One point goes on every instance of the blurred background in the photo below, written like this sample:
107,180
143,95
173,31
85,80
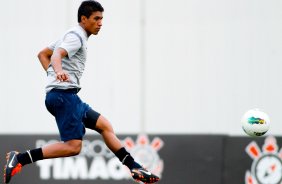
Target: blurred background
157,67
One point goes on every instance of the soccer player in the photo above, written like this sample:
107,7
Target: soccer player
64,61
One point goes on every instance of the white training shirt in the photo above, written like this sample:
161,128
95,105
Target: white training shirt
74,41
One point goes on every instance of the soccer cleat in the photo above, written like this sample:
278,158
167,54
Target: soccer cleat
12,167
141,174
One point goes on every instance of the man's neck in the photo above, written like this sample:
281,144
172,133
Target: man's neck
82,26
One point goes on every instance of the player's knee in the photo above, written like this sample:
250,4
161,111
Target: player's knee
74,147
103,125
76,150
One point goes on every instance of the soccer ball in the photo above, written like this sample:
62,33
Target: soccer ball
255,122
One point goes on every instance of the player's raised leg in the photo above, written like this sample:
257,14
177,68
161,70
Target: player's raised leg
16,160
12,167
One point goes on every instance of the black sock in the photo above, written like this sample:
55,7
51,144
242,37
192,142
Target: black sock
30,156
127,159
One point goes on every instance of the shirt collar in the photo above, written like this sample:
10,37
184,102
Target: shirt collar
84,32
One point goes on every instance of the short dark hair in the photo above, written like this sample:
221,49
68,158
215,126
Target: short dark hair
87,8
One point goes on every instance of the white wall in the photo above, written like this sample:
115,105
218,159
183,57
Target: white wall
204,64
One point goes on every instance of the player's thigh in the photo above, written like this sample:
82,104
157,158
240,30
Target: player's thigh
90,119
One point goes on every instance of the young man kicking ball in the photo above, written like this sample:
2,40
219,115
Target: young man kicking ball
64,61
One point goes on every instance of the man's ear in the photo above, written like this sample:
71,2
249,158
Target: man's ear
83,18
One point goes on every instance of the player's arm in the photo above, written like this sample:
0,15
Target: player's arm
56,62
44,57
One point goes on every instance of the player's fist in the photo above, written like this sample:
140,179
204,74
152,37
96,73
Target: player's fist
62,76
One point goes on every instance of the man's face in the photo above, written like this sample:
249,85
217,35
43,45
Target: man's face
93,24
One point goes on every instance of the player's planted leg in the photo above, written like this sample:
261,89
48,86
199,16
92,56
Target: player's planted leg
138,173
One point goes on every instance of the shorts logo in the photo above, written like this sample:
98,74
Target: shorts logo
146,152
267,164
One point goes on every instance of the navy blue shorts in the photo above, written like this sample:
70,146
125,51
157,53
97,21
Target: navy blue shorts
70,113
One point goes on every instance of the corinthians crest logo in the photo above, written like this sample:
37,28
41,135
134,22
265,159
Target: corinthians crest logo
267,165
146,152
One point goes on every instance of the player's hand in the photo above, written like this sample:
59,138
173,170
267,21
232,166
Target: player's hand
62,76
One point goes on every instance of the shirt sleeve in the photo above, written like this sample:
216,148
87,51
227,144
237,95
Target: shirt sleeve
71,43
52,46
